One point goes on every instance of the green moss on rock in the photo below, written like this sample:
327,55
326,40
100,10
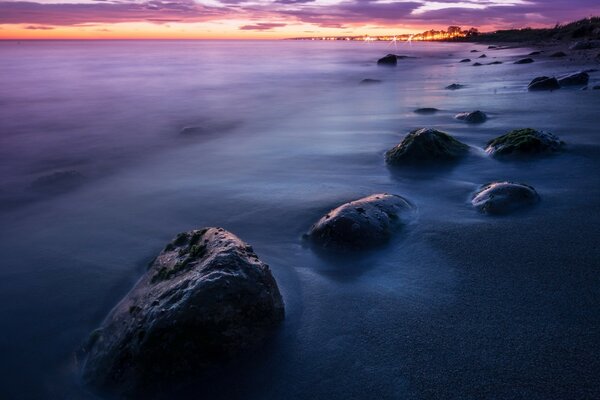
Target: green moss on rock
524,141
426,145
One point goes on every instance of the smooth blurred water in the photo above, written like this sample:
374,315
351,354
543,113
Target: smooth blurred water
459,305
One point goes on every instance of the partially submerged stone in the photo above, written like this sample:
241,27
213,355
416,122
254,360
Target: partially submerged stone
525,61
477,64
455,86
426,110
465,60
475,117
524,142
368,81
390,59
535,53
543,83
504,197
576,79
426,146
558,54
482,56
205,299
495,63
361,224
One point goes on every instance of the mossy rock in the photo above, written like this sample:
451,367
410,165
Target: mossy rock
475,117
525,141
504,197
426,146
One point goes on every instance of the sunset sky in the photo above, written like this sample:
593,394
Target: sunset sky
252,19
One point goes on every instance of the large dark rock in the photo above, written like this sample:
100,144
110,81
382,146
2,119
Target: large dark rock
576,79
58,182
475,117
390,59
362,223
524,142
543,83
426,146
504,197
524,61
205,299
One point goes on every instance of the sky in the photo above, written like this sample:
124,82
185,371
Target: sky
272,19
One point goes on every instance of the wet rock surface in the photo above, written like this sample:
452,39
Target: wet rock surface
362,223
455,86
576,79
543,83
426,146
465,60
522,142
504,197
205,299
474,117
558,54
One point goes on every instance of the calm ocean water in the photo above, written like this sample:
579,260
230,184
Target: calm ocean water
458,306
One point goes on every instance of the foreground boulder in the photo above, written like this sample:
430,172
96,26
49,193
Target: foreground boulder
426,146
576,79
524,61
360,224
524,142
543,83
390,59
504,197
475,117
204,299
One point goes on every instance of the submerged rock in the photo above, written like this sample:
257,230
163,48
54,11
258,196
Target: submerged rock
578,78
525,61
58,182
465,60
492,47
205,298
426,146
504,197
390,59
360,224
477,64
475,117
558,54
494,63
426,110
455,86
369,81
535,53
523,142
597,87
543,83
482,56
474,51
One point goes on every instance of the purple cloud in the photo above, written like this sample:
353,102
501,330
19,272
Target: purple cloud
39,27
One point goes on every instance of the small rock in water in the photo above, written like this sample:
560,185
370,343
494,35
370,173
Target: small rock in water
455,86
360,224
482,56
465,60
477,64
525,61
390,59
205,299
494,63
579,78
524,142
492,47
58,182
597,87
535,53
426,146
474,51
558,54
544,83
426,110
369,81
504,197
475,117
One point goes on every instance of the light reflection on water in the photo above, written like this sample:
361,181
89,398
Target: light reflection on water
287,133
